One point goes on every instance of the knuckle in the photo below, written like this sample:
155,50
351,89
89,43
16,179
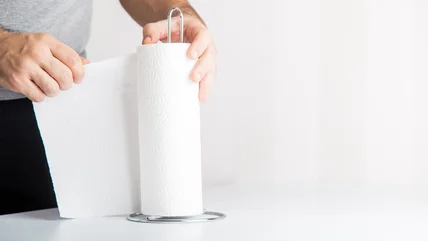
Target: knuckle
78,75
150,27
65,86
37,53
43,37
66,80
38,45
36,97
73,60
15,78
16,82
52,90
76,67
25,63
77,72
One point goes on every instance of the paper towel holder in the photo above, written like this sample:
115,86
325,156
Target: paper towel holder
206,215
171,11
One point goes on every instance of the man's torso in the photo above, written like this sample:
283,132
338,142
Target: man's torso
67,20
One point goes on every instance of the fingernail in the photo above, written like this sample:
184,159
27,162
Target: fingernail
147,40
194,55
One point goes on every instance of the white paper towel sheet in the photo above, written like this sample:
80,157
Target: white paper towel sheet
93,134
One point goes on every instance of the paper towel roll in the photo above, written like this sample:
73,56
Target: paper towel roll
169,131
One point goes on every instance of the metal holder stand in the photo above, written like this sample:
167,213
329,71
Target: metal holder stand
207,215
181,24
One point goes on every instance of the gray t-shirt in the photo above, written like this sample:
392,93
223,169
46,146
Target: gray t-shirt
67,20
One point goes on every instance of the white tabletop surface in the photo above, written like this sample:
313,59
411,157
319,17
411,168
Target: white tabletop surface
255,212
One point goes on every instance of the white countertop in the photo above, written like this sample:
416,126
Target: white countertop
255,212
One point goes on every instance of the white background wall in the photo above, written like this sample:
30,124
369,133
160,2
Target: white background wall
309,91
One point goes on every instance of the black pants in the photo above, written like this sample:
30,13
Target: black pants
25,182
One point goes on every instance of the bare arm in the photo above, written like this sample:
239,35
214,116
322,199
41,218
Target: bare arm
148,11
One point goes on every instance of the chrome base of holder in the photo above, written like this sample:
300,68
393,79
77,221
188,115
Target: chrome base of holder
205,217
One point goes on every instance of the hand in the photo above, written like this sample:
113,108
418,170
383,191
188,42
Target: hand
202,47
37,65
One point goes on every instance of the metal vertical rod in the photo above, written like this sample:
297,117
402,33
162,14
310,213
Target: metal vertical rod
181,24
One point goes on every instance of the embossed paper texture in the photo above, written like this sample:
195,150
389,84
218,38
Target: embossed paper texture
127,139
168,109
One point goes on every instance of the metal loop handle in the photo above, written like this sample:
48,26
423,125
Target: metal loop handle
181,24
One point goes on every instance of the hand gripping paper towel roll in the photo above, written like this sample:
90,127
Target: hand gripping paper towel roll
169,132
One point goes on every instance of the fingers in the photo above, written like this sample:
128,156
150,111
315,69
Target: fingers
175,38
70,58
205,87
48,80
200,43
204,73
153,32
60,72
45,82
205,64
32,91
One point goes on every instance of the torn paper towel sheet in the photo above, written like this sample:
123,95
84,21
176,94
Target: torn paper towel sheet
94,132
90,134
